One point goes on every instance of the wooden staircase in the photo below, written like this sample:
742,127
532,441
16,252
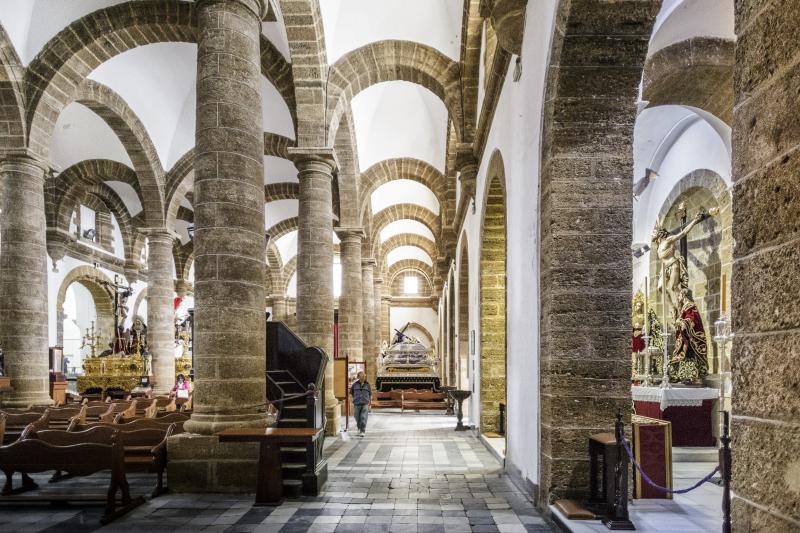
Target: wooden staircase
295,385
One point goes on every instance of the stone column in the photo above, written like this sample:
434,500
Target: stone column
350,311
378,292
23,281
229,242
160,313
105,230
278,308
368,310
766,267
315,261
386,303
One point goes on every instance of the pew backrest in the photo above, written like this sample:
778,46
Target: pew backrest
165,404
173,417
18,423
141,423
34,455
95,435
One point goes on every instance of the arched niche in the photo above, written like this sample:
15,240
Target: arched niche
493,298
709,247
463,316
72,323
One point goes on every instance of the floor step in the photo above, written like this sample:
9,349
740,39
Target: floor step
292,488
685,454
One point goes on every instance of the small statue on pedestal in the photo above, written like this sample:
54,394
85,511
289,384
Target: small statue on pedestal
689,363
137,338
638,324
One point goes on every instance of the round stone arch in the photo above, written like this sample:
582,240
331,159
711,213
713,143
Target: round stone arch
710,245
92,279
450,374
407,168
392,60
141,297
416,327
493,296
462,334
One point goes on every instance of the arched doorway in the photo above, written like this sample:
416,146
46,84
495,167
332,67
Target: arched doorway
493,302
83,300
463,316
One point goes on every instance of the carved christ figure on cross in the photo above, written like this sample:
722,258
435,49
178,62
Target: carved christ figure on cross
675,276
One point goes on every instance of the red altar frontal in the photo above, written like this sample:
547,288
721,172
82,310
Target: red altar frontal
689,409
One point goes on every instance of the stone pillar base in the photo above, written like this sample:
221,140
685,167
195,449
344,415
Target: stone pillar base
199,463
334,423
23,400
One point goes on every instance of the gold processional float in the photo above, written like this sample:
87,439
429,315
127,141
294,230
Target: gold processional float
127,362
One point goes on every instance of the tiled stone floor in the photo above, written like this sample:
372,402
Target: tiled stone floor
699,511
411,473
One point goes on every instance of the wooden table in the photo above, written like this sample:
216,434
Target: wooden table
269,488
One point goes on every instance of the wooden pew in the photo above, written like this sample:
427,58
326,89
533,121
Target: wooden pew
143,407
34,455
100,413
145,449
165,404
393,398
61,417
424,400
17,422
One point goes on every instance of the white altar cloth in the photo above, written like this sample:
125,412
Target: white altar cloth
674,397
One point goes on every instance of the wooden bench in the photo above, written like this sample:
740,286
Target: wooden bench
393,398
100,413
424,400
165,404
17,422
145,448
30,456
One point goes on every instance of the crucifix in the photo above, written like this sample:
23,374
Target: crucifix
121,293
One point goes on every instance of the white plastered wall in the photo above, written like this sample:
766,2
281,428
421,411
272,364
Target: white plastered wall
516,133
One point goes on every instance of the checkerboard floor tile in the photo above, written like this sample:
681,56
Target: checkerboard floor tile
410,473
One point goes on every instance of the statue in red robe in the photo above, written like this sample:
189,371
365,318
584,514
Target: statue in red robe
689,363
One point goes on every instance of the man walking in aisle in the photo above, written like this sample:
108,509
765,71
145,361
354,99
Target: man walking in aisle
361,393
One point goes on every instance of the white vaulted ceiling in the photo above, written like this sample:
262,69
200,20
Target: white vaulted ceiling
80,134
31,23
350,24
403,191
400,119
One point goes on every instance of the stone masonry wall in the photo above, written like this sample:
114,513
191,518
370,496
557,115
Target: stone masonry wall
766,268
597,55
493,308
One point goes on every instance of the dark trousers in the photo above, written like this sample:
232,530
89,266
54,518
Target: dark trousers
362,411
